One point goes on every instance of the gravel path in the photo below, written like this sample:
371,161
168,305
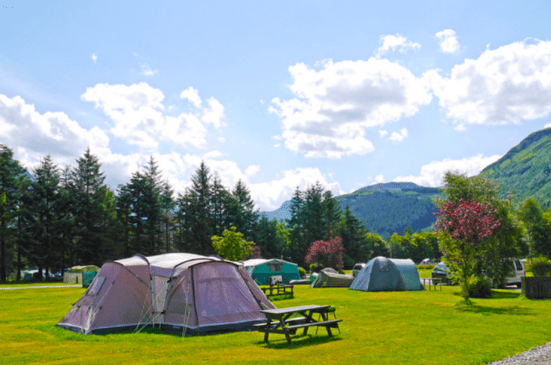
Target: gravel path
43,287
537,355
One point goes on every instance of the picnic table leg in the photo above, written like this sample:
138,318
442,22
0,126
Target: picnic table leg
268,326
288,338
324,316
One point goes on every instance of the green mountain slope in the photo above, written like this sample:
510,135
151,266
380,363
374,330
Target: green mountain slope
526,169
391,207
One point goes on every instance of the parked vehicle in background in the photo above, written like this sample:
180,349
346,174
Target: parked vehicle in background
516,274
357,268
514,278
441,271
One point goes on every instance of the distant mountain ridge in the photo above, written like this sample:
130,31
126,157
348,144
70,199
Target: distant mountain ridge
384,208
526,169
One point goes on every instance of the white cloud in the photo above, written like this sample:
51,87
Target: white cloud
94,57
137,113
270,195
506,85
379,178
192,95
395,42
252,170
383,133
432,173
335,105
36,135
448,41
399,137
147,71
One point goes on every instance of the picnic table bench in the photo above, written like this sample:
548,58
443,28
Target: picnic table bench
274,290
280,321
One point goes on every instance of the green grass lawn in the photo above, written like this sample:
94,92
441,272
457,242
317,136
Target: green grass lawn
379,328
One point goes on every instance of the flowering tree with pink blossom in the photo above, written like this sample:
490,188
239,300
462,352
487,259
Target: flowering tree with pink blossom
463,226
326,253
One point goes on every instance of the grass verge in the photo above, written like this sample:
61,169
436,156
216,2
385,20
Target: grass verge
426,327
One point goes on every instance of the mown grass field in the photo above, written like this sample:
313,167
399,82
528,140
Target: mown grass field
378,328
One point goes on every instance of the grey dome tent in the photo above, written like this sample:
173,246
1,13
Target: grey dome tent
179,293
384,274
262,270
329,278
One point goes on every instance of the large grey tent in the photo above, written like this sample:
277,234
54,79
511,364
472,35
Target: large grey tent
329,278
179,293
384,274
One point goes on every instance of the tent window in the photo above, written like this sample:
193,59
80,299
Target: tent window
96,285
274,267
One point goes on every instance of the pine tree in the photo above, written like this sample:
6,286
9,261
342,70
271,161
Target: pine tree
45,230
10,183
353,235
167,207
244,216
195,214
90,217
153,205
296,226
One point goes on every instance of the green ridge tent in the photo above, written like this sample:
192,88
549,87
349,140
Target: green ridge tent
384,274
262,270
329,278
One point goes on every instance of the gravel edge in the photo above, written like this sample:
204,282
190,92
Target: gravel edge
536,355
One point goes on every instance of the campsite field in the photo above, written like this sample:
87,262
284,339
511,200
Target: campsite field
378,328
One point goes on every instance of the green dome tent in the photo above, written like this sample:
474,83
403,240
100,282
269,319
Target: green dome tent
384,274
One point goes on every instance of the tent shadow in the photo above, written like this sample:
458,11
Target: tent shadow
298,342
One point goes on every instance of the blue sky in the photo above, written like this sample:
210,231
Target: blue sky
278,94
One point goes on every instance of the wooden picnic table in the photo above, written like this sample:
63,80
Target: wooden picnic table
280,321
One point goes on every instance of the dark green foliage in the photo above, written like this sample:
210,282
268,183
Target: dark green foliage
538,226
541,266
44,230
167,205
265,236
91,218
386,209
241,209
354,238
349,262
480,287
11,176
525,170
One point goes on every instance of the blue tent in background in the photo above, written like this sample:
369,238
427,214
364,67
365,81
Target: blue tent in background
384,274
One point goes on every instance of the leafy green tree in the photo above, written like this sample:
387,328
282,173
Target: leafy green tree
463,228
10,183
539,229
375,245
493,258
232,246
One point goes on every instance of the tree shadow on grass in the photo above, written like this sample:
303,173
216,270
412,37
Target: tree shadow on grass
486,311
497,295
298,342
